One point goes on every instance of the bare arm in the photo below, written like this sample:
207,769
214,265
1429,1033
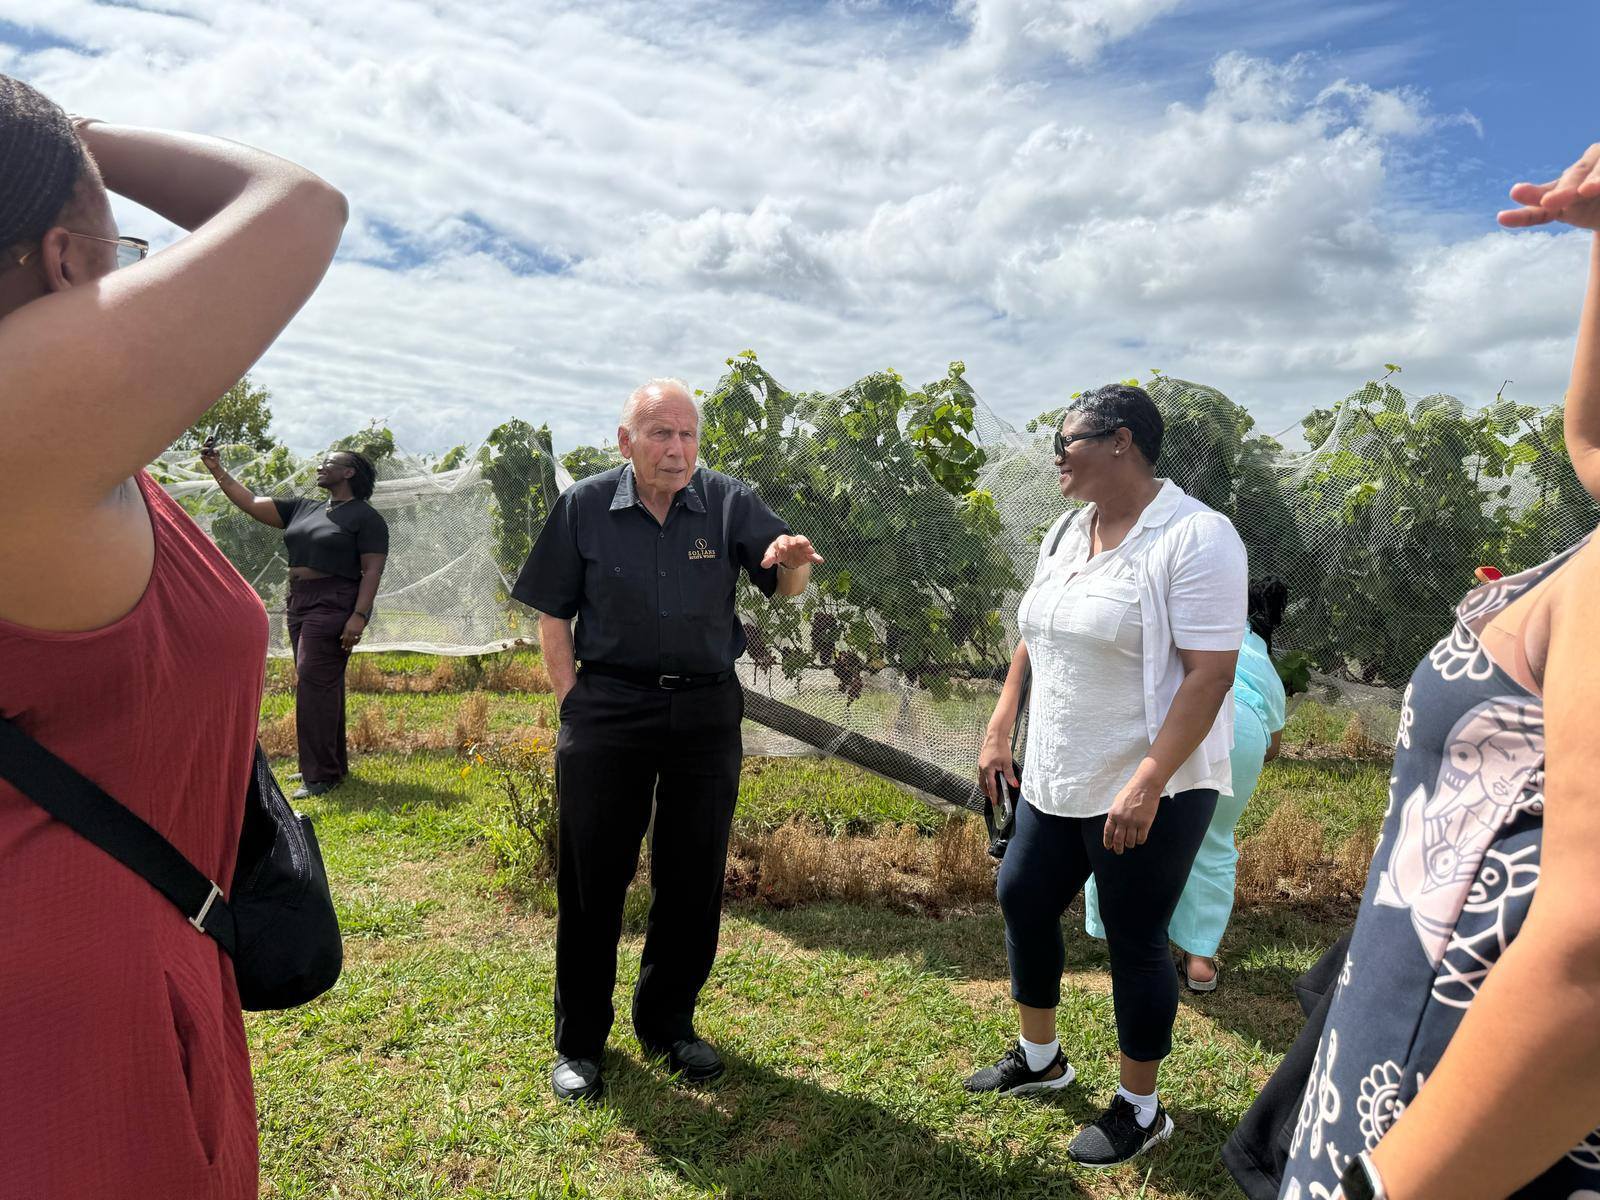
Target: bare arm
371,576
97,379
555,641
1519,1084
995,756
1208,675
260,507
1574,200
1275,746
1583,393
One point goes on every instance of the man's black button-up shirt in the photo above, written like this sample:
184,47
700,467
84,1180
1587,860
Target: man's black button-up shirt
656,598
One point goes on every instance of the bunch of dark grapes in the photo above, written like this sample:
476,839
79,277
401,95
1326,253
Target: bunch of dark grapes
847,666
756,646
824,635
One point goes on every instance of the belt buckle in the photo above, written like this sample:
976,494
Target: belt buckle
670,683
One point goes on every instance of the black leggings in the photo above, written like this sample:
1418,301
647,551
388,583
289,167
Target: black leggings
1047,863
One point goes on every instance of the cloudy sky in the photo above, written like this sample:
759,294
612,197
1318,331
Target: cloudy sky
553,201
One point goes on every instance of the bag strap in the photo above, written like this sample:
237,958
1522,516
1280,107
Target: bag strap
1061,532
989,817
84,807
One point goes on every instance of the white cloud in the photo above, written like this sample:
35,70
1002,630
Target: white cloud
1077,29
552,201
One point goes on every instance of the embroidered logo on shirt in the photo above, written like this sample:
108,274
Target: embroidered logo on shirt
701,551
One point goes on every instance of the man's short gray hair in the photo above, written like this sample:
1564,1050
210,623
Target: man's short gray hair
655,387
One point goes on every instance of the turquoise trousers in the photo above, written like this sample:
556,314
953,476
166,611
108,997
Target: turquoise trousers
1207,901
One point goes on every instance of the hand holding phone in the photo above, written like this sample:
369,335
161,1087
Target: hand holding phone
208,448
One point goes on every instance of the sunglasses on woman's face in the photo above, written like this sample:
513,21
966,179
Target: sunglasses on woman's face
1060,444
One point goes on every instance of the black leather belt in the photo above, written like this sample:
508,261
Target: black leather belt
666,683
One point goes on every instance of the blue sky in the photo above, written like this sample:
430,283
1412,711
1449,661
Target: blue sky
553,201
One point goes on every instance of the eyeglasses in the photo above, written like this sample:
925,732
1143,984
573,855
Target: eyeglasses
1060,444
129,249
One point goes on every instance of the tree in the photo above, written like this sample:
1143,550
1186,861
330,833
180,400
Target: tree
240,417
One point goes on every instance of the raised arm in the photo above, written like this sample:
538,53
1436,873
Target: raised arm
1574,199
98,377
260,507
1583,394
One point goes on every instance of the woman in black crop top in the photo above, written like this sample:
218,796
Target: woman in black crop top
336,549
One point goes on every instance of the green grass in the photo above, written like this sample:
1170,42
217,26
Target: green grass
421,710
1342,795
425,1072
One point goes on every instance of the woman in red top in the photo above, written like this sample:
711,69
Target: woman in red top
128,645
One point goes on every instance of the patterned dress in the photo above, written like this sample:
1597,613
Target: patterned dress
1450,886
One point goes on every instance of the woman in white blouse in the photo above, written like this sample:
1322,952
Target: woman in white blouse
1131,629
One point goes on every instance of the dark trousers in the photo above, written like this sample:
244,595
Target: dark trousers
1047,863
318,610
621,747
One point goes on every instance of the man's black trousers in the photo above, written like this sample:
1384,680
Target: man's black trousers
622,748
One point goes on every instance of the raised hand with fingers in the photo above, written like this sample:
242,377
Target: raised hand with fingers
790,550
1573,199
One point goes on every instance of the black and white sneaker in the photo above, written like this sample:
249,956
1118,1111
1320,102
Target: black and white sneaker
1011,1076
1117,1136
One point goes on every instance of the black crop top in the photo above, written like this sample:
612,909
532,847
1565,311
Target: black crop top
332,540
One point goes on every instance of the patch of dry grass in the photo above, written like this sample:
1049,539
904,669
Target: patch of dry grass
800,863
278,736
1287,858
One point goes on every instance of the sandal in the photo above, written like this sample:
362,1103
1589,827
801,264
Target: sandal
1201,985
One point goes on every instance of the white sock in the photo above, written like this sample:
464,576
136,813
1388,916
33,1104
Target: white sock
1145,1104
1040,1054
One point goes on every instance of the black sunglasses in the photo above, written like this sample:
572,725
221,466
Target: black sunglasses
1060,444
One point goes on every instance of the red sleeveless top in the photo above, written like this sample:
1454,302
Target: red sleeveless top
124,1070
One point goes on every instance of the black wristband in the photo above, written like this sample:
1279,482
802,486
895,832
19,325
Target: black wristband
365,616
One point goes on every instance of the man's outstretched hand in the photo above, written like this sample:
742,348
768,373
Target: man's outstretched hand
790,550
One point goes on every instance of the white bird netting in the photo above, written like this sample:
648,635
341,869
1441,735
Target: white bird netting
929,510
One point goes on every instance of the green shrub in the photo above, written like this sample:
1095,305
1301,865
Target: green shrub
520,829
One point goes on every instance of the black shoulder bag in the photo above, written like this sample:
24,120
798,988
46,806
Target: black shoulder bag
279,926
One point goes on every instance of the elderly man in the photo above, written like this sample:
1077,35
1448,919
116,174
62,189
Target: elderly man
646,556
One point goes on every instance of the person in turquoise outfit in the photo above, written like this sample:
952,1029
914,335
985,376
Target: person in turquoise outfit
1259,705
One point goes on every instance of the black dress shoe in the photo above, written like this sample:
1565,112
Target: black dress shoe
694,1059
577,1079
308,790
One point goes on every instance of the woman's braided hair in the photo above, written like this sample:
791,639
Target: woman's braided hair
41,161
366,476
